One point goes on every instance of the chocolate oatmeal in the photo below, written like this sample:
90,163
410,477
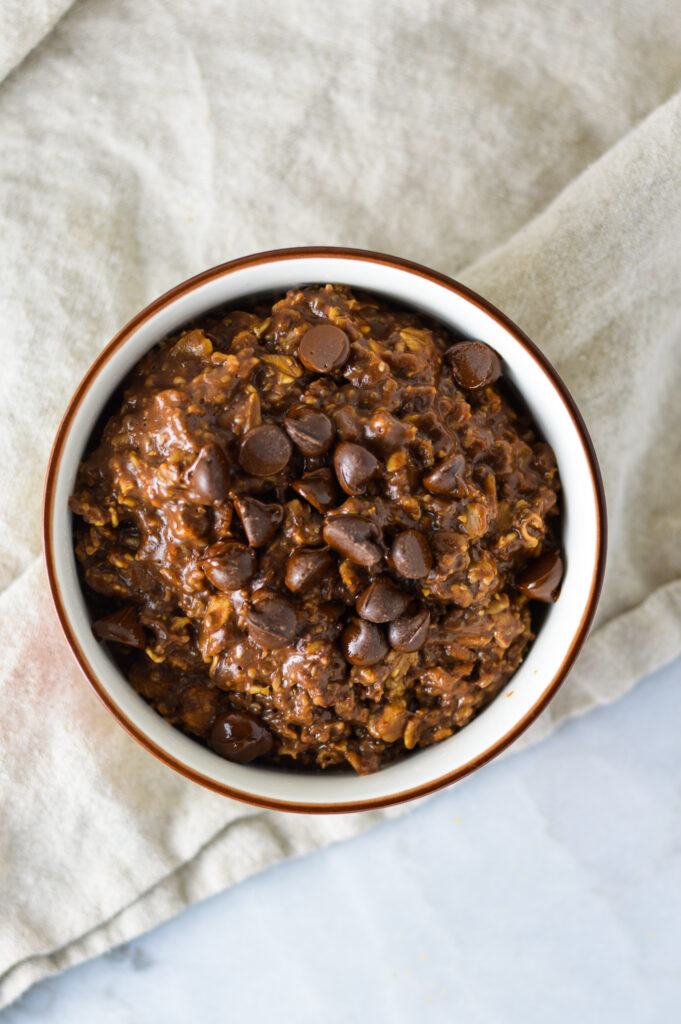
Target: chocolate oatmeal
313,532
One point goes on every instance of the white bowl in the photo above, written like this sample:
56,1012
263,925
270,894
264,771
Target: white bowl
584,529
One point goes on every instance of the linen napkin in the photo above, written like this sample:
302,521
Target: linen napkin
531,150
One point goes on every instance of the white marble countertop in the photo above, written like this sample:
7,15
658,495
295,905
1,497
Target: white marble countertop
545,888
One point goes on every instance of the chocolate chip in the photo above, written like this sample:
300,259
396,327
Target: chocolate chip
382,601
474,364
363,643
264,450
447,477
541,579
355,466
324,348
208,476
409,632
306,567
271,622
123,627
260,521
228,565
319,488
411,555
240,737
309,429
353,537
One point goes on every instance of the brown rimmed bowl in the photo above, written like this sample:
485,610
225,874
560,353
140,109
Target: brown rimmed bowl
562,631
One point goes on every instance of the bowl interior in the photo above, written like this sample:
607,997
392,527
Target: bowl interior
581,537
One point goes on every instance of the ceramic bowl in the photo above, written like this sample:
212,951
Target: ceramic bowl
559,638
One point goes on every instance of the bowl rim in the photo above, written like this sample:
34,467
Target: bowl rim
361,255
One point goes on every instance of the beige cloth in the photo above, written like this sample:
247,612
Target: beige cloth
532,150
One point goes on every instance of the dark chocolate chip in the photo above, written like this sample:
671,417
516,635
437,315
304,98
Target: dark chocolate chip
228,565
474,364
411,555
324,348
319,488
354,537
363,643
264,450
355,466
541,579
447,477
260,521
208,476
311,430
240,737
382,601
123,627
409,632
306,567
271,622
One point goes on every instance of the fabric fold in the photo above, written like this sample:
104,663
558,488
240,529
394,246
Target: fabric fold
23,25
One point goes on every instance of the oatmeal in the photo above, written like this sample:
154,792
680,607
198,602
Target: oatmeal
313,532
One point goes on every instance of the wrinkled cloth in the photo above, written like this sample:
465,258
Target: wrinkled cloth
530,150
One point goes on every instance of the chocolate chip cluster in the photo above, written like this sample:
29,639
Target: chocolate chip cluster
313,530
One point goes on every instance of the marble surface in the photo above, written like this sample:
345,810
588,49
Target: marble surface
546,888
